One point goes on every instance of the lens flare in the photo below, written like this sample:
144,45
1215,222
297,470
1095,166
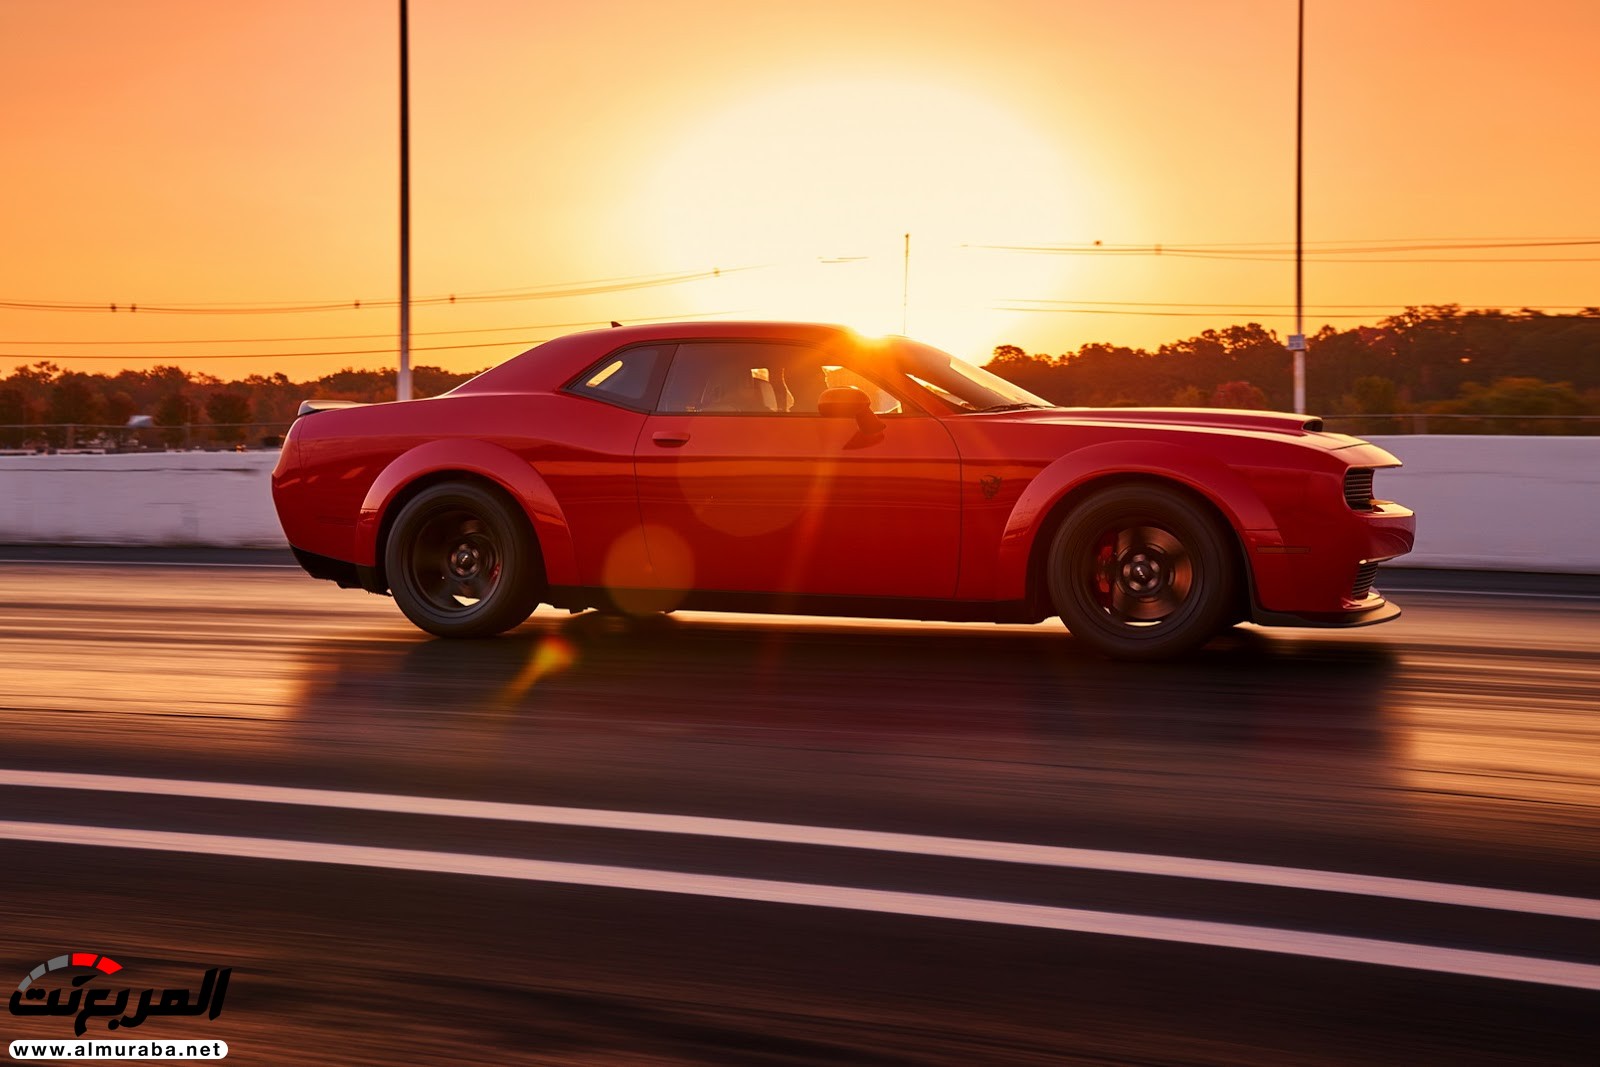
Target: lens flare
549,655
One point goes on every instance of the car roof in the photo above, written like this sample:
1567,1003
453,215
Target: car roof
552,364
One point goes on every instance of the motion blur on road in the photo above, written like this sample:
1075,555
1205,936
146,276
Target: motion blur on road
1456,747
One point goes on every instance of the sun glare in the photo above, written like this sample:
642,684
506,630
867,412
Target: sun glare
818,183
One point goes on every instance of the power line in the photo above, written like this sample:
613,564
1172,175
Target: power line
1264,251
328,337
1035,306
1385,241
368,336
1266,248
536,293
521,342
1225,306
1270,258
1171,314
524,343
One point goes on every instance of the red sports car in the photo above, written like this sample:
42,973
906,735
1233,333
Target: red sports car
795,468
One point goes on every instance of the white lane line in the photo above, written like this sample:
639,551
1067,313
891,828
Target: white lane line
833,837
922,905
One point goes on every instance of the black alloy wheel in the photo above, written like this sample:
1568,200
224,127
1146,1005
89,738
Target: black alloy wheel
462,563
1142,572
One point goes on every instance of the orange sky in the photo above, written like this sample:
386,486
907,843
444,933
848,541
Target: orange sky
164,152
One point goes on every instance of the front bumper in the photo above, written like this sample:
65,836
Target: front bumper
1371,612
1322,573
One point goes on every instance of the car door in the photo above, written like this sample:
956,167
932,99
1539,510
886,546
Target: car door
585,454
744,487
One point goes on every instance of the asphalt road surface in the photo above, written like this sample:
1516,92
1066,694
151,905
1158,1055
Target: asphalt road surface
746,840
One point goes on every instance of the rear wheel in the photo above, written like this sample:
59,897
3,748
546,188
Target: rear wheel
1142,572
462,563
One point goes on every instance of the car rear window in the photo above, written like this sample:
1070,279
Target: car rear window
629,378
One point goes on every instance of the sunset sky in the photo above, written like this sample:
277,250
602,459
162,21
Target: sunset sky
226,157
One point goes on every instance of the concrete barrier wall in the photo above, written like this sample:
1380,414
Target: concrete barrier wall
1499,503
158,498
1495,503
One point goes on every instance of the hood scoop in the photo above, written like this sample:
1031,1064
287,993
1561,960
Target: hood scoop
1222,418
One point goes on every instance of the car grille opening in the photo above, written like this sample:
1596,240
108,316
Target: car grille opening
1364,579
1358,488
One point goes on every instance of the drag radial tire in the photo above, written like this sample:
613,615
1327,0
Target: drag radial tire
1142,572
462,561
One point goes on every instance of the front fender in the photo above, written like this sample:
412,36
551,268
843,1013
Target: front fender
486,460
1205,475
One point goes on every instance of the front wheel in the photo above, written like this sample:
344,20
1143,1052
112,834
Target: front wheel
1142,572
462,563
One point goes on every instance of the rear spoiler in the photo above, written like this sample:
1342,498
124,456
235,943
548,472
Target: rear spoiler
311,407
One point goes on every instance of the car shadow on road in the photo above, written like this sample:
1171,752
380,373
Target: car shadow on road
729,672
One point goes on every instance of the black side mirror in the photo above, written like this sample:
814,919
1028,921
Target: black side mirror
852,403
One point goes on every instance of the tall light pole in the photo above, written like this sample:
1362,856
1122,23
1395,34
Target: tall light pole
1297,340
905,287
402,385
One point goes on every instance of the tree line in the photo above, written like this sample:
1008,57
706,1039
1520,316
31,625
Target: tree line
1481,371
186,408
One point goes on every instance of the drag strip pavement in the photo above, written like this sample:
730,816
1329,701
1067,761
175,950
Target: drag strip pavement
721,839
1419,956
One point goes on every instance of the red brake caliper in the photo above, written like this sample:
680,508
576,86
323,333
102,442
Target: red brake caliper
1104,564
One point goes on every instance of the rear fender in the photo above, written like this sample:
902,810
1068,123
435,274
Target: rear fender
1202,474
493,462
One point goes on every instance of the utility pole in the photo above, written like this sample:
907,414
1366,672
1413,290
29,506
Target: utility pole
1297,340
905,287
402,387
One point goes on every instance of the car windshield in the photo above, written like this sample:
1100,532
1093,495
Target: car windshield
957,382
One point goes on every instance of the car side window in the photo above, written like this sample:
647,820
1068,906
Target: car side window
728,377
629,378
746,377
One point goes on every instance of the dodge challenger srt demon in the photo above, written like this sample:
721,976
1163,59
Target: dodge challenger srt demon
798,468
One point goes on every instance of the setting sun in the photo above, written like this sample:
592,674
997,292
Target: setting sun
818,183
